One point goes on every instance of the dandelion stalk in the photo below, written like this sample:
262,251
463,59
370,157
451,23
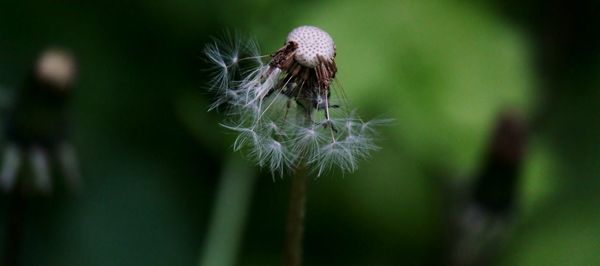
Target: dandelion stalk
295,218
297,209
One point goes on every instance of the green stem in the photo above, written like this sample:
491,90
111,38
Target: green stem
229,213
295,218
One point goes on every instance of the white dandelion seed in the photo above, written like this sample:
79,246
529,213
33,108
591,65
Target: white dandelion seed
334,154
247,137
305,142
225,58
272,154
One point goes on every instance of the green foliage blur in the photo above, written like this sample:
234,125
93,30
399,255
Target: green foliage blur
151,155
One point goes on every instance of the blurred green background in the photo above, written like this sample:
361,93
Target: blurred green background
152,157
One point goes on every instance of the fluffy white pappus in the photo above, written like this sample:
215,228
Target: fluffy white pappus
305,142
333,154
350,140
369,127
247,136
230,59
225,96
360,146
278,142
258,86
273,154
271,128
221,71
262,140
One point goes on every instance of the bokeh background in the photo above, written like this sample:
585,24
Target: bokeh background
152,157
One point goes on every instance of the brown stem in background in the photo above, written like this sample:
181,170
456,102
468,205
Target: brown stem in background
14,228
295,218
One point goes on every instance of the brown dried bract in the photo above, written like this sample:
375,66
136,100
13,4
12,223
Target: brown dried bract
305,84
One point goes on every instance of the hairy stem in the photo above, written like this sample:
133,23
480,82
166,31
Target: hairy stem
295,218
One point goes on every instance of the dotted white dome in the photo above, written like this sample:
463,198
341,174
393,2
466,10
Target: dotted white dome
311,41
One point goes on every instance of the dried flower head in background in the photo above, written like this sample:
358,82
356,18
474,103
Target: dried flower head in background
37,125
289,111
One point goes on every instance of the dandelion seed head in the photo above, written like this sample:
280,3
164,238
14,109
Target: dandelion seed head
312,44
281,109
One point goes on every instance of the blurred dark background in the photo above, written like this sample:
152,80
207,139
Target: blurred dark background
151,157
